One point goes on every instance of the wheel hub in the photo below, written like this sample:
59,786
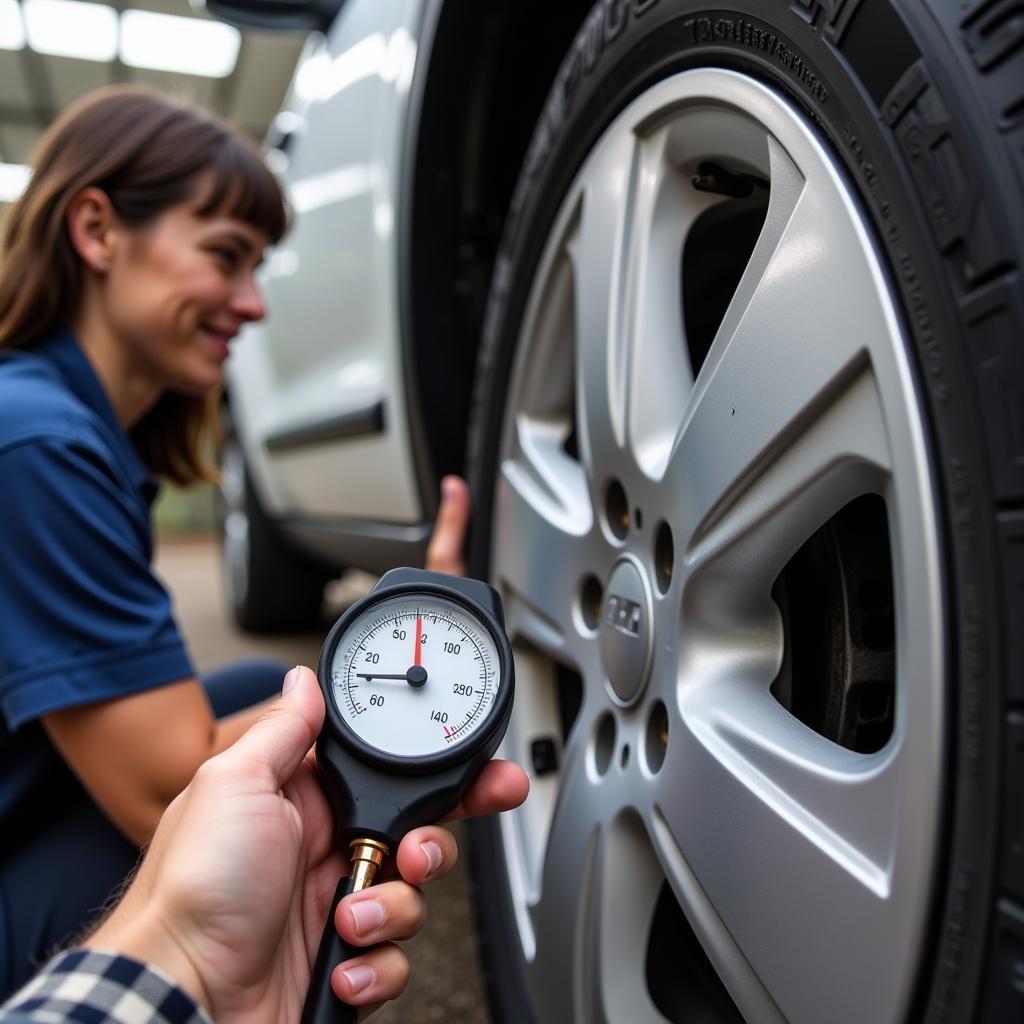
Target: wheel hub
626,630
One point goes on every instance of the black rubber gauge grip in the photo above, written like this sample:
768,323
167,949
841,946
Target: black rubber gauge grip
322,1005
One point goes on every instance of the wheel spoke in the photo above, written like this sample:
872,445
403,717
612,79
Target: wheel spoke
542,522
599,248
754,531
794,342
595,904
631,882
659,375
752,999
634,371
824,822
568,898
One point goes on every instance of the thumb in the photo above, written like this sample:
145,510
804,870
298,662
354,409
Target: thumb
445,551
282,736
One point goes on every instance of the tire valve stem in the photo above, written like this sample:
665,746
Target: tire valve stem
711,177
367,856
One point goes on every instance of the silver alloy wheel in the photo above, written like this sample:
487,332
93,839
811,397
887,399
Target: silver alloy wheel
803,868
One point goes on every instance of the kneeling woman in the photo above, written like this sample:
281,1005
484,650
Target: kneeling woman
128,267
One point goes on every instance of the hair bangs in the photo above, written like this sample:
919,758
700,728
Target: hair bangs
243,187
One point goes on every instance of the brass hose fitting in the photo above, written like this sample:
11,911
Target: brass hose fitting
367,856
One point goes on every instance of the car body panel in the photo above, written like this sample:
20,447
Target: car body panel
338,400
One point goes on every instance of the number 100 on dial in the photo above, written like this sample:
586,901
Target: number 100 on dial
415,675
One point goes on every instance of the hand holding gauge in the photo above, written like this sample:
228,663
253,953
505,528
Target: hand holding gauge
399,749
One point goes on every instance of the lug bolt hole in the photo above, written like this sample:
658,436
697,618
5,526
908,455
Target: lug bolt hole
638,519
624,758
656,737
664,557
604,744
591,599
617,510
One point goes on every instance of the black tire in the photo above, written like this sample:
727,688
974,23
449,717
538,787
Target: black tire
922,103
269,587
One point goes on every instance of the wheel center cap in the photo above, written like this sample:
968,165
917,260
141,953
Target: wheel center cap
626,630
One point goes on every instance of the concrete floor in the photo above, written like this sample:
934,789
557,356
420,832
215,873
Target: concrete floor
445,983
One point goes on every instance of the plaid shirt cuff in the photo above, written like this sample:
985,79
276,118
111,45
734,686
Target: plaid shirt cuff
88,986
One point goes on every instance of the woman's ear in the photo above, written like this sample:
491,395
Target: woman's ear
91,222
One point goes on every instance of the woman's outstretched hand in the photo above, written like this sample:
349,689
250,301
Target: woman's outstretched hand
231,896
445,552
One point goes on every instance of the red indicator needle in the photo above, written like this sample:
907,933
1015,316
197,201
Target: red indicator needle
419,640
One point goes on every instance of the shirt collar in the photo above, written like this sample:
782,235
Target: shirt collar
62,350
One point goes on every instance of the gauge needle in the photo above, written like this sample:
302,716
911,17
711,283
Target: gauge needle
414,676
419,641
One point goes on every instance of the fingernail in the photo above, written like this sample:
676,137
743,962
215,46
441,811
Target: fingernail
368,915
290,679
434,857
447,489
358,977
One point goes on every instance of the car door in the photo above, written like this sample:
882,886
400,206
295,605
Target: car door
317,390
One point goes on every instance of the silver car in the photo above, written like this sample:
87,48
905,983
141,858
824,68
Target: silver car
719,308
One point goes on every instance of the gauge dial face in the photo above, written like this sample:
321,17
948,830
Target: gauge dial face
415,675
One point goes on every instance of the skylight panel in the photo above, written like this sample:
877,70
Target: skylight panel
168,42
13,179
12,28
69,28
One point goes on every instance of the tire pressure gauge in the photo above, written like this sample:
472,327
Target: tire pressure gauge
418,681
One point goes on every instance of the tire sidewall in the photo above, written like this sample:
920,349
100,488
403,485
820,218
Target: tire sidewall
875,117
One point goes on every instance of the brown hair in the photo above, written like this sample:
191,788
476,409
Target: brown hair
147,153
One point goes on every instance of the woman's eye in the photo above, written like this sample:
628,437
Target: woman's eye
228,258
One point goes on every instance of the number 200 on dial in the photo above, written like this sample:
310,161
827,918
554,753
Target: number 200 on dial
415,675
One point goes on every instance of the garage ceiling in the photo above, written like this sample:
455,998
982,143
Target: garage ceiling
35,86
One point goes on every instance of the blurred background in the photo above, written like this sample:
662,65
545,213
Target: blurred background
51,52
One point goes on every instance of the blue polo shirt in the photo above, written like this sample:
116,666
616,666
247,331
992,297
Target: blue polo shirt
83,618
